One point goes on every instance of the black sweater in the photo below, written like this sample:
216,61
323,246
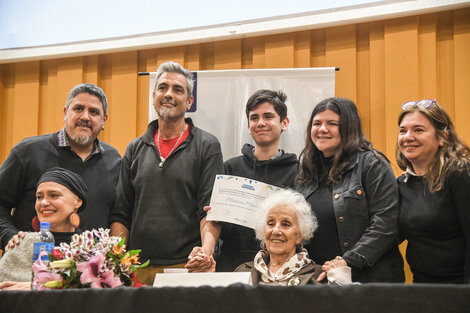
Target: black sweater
64,237
239,243
162,206
280,171
437,227
30,158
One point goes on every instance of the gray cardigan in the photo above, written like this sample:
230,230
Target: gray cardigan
16,264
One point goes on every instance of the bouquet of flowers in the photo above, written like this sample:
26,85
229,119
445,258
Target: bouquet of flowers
93,259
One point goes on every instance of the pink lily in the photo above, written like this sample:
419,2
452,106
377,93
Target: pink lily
92,273
42,275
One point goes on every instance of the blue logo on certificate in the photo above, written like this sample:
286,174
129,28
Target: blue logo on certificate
248,187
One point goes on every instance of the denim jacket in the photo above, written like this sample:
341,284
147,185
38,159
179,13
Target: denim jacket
365,202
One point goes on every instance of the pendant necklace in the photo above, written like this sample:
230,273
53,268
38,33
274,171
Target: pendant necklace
162,159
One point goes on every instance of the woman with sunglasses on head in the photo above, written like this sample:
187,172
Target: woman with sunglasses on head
353,193
434,194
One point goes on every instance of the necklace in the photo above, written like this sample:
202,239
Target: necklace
162,159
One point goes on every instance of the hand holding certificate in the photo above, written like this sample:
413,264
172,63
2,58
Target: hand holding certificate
235,199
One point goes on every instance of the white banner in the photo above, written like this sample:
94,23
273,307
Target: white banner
221,96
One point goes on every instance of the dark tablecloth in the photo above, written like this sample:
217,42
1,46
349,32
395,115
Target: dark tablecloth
241,298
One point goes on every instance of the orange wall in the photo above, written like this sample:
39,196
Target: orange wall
383,64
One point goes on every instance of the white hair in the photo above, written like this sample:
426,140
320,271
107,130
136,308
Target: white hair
294,200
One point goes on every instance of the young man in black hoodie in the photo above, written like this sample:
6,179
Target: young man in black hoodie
267,119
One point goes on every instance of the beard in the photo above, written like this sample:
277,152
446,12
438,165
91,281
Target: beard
169,113
82,140
168,108
164,113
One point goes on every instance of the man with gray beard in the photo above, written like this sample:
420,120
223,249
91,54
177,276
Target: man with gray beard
76,148
166,179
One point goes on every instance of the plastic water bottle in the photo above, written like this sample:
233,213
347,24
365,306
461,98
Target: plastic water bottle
46,242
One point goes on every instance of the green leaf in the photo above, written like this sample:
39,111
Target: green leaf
143,265
122,242
134,252
113,257
72,275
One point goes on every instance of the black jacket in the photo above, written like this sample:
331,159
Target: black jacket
365,203
162,206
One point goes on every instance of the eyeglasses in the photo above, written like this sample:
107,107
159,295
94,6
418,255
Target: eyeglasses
424,104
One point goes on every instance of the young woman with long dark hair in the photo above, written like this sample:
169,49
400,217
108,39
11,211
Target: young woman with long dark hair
353,192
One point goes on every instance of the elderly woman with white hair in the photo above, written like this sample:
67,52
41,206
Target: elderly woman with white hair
284,222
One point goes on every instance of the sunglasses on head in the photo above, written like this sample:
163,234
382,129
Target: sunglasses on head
424,104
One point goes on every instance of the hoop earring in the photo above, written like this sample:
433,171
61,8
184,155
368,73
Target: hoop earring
35,223
74,220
